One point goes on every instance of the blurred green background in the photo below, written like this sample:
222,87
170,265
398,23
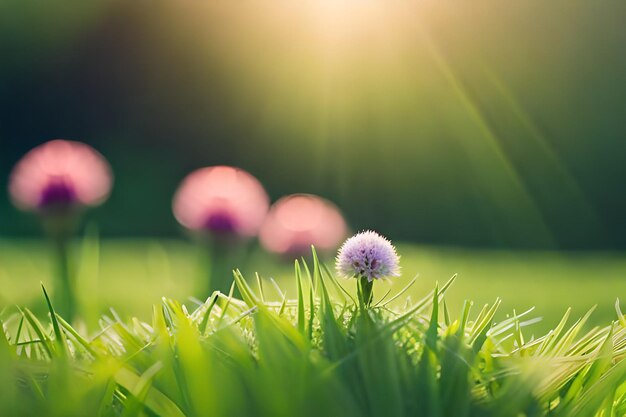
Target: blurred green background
131,275
496,128
483,123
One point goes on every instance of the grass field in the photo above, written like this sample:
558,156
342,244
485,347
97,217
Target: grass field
132,275
240,356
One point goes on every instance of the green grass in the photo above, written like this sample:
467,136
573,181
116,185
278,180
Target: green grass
132,275
317,354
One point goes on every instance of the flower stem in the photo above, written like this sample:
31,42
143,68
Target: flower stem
219,275
219,260
64,281
366,292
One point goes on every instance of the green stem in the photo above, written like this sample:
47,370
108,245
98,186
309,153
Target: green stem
366,292
64,281
219,278
222,258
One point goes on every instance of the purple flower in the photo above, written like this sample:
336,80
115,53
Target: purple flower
221,200
368,254
296,222
57,192
60,174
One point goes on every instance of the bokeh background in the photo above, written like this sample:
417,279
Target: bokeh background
475,124
482,125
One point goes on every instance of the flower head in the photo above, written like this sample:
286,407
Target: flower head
60,174
221,200
298,221
368,254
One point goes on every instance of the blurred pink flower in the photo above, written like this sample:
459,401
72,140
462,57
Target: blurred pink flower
61,174
296,222
222,200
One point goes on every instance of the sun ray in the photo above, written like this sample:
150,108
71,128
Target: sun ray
540,227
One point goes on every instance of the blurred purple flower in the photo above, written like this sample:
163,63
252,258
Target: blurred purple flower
367,254
298,221
221,200
60,174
